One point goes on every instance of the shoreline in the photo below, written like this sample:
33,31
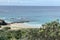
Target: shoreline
16,26
35,25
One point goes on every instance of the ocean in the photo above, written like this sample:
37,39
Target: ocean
35,14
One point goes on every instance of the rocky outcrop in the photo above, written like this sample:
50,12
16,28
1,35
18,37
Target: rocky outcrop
2,22
20,21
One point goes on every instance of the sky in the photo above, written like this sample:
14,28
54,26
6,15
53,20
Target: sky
31,2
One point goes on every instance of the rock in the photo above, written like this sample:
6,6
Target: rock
20,21
2,22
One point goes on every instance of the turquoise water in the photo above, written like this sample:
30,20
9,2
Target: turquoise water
36,14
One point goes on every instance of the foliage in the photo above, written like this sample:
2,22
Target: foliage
49,31
6,28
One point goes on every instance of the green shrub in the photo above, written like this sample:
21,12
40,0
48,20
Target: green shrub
0,26
49,31
6,28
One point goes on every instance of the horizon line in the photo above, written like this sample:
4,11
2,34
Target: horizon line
18,5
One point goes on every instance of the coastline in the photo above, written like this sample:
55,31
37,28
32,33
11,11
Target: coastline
16,26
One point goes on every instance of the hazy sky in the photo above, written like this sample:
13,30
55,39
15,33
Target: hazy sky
31,2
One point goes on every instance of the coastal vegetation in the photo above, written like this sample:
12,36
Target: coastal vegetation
48,31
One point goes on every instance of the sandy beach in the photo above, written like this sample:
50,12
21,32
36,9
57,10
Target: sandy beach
16,26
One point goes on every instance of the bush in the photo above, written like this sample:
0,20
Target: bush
49,31
6,28
0,26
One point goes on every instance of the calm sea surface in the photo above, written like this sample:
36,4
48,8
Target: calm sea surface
36,14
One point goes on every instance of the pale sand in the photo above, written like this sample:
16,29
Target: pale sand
15,26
